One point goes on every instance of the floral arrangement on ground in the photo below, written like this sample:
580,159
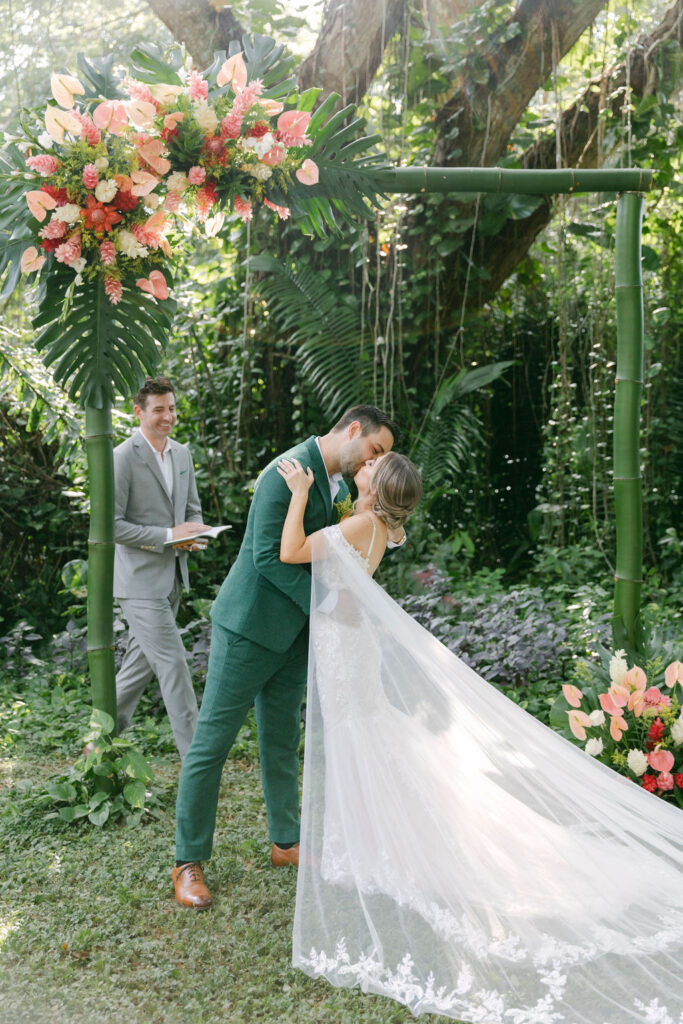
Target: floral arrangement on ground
635,728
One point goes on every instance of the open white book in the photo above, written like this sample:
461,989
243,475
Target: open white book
212,532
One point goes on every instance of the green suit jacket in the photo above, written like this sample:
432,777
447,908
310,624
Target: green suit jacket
262,598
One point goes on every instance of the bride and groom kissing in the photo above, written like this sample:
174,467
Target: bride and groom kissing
259,640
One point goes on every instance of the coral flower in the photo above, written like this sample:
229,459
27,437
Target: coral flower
31,260
99,217
617,727
572,694
233,72
578,722
39,202
674,673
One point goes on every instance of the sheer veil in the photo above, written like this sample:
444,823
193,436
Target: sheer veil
456,854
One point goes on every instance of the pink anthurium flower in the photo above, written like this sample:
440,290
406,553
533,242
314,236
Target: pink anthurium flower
141,113
31,260
233,72
293,123
674,673
155,284
617,727
39,203
151,153
572,695
174,119
635,679
308,173
578,723
661,760
110,116
608,705
64,88
143,183
271,107
59,121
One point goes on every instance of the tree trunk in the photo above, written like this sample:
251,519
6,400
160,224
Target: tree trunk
203,26
99,450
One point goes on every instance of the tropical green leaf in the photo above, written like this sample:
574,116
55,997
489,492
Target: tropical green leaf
134,764
101,720
99,78
97,348
134,793
148,63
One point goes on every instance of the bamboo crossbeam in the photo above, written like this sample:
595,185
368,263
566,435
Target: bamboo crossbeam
501,179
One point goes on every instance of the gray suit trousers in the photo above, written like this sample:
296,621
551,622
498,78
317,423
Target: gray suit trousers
155,648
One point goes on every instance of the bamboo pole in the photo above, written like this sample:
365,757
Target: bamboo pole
629,386
99,449
502,179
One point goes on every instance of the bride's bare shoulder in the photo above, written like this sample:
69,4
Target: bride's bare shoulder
358,530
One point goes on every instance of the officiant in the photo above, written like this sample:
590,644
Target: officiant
156,503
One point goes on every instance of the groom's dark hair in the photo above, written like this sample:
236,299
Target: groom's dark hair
370,418
153,386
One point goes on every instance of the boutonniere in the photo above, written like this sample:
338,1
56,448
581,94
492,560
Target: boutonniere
343,508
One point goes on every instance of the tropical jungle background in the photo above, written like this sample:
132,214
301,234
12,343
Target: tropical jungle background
484,325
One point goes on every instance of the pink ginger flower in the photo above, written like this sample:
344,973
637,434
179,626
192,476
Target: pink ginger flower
113,289
248,97
44,164
108,253
55,229
196,175
91,176
231,125
665,780
89,132
205,199
173,201
654,698
139,91
70,251
243,208
198,88
283,214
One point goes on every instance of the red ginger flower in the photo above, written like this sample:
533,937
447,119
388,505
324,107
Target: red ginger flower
205,198
258,130
57,193
49,244
649,782
678,779
125,201
655,733
98,217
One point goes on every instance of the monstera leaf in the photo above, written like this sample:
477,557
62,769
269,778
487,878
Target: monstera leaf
96,348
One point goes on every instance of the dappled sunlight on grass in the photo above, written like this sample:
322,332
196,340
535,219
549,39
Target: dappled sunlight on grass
9,922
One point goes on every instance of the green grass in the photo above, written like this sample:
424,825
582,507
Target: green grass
89,928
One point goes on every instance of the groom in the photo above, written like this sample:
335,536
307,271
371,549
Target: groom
259,651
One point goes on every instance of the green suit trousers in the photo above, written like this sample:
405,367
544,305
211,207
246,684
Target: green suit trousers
241,672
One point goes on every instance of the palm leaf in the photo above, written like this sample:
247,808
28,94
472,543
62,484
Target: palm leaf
148,63
94,347
325,331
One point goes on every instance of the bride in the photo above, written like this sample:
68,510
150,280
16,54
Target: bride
457,855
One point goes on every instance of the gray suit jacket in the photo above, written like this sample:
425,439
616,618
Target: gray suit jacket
143,567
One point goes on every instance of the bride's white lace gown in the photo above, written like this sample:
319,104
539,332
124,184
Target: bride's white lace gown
457,855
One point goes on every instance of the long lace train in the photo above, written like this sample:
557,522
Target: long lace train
457,855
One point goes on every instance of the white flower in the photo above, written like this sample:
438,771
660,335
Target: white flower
258,146
637,762
78,266
177,182
152,201
101,163
205,116
597,717
618,667
593,747
106,190
261,172
128,244
45,140
677,731
68,213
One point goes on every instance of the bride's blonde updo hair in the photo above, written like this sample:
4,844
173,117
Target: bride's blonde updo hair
398,488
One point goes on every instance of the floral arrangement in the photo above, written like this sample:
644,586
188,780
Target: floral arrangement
109,177
636,728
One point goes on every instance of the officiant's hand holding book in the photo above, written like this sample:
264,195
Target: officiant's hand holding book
195,539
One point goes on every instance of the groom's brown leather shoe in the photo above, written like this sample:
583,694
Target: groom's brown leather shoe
190,887
280,858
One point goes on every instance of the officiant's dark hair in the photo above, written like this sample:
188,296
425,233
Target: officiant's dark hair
153,386
370,418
